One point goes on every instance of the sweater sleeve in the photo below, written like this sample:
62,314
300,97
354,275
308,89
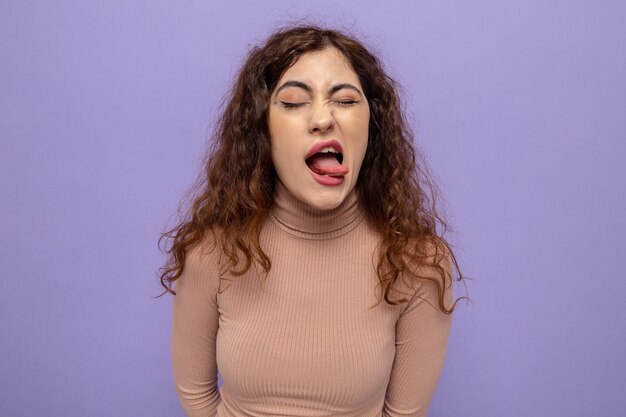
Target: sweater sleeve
421,340
195,321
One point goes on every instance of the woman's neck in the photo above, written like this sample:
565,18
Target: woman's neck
302,220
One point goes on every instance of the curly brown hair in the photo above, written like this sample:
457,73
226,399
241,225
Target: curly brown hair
235,198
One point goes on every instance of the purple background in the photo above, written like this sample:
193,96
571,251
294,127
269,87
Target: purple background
520,107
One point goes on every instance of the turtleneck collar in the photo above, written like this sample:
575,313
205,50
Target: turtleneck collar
301,220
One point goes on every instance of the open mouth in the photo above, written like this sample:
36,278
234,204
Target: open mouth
328,161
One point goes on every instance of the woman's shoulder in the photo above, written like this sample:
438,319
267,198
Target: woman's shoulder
428,270
201,262
204,252
428,253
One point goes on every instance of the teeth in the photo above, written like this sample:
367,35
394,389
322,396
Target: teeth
328,149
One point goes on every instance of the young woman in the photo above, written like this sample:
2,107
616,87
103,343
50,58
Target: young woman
311,210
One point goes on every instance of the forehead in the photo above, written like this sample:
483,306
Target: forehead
317,68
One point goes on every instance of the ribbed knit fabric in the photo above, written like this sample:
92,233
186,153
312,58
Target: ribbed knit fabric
306,340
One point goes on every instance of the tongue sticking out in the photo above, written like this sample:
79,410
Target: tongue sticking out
326,164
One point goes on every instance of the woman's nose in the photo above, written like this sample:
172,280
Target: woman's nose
321,118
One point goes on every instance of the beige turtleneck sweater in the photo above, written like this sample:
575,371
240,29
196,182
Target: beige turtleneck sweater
303,342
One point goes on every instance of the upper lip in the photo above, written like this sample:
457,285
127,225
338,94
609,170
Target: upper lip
321,145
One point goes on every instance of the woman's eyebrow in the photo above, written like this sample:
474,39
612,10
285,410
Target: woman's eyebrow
338,87
331,91
292,83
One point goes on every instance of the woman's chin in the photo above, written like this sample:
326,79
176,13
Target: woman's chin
325,199
319,196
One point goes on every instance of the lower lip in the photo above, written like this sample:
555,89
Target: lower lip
325,179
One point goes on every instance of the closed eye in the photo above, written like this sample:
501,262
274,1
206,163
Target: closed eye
347,102
289,105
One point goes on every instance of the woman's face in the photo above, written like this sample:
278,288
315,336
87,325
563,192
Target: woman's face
318,123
